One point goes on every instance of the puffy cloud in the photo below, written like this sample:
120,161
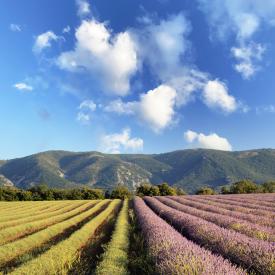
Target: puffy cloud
248,57
187,84
211,141
120,107
23,86
67,29
163,44
83,118
154,108
240,17
243,19
15,28
83,8
115,143
86,108
87,104
112,58
215,95
44,40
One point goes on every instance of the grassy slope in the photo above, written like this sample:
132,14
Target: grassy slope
189,169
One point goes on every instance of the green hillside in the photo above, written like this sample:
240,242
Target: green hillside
189,169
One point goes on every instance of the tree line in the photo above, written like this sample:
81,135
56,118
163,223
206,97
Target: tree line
43,192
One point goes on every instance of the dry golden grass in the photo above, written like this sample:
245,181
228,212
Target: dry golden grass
59,259
10,251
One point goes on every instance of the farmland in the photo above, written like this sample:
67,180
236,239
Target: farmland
192,234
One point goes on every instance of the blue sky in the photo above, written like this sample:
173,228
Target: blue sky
136,76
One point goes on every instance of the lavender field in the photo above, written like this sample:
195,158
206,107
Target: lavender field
182,235
221,234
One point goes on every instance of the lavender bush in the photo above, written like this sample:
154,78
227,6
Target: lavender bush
243,205
257,256
174,254
225,210
249,229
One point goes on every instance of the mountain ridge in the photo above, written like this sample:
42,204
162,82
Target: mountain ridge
189,169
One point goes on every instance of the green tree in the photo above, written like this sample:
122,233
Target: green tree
120,192
180,191
243,187
166,190
225,190
146,189
93,194
205,191
268,187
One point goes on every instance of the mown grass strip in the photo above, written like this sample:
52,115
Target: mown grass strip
42,215
59,259
9,252
115,258
16,232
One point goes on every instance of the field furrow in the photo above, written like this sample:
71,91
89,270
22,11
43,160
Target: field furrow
11,251
255,255
174,254
60,258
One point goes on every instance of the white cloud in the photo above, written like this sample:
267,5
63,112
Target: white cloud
190,136
265,109
67,29
112,58
86,108
83,8
118,142
120,107
215,95
163,45
187,84
248,57
44,40
15,28
155,108
241,17
23,86
211,141
83,118
87,104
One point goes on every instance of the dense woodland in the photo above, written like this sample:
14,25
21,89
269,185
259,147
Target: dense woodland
43,192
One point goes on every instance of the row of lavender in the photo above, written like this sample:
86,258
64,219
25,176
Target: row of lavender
174,254
252,254
267,199
242,226
255,207
228,210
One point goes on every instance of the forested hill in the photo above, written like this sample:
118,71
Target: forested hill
189,169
